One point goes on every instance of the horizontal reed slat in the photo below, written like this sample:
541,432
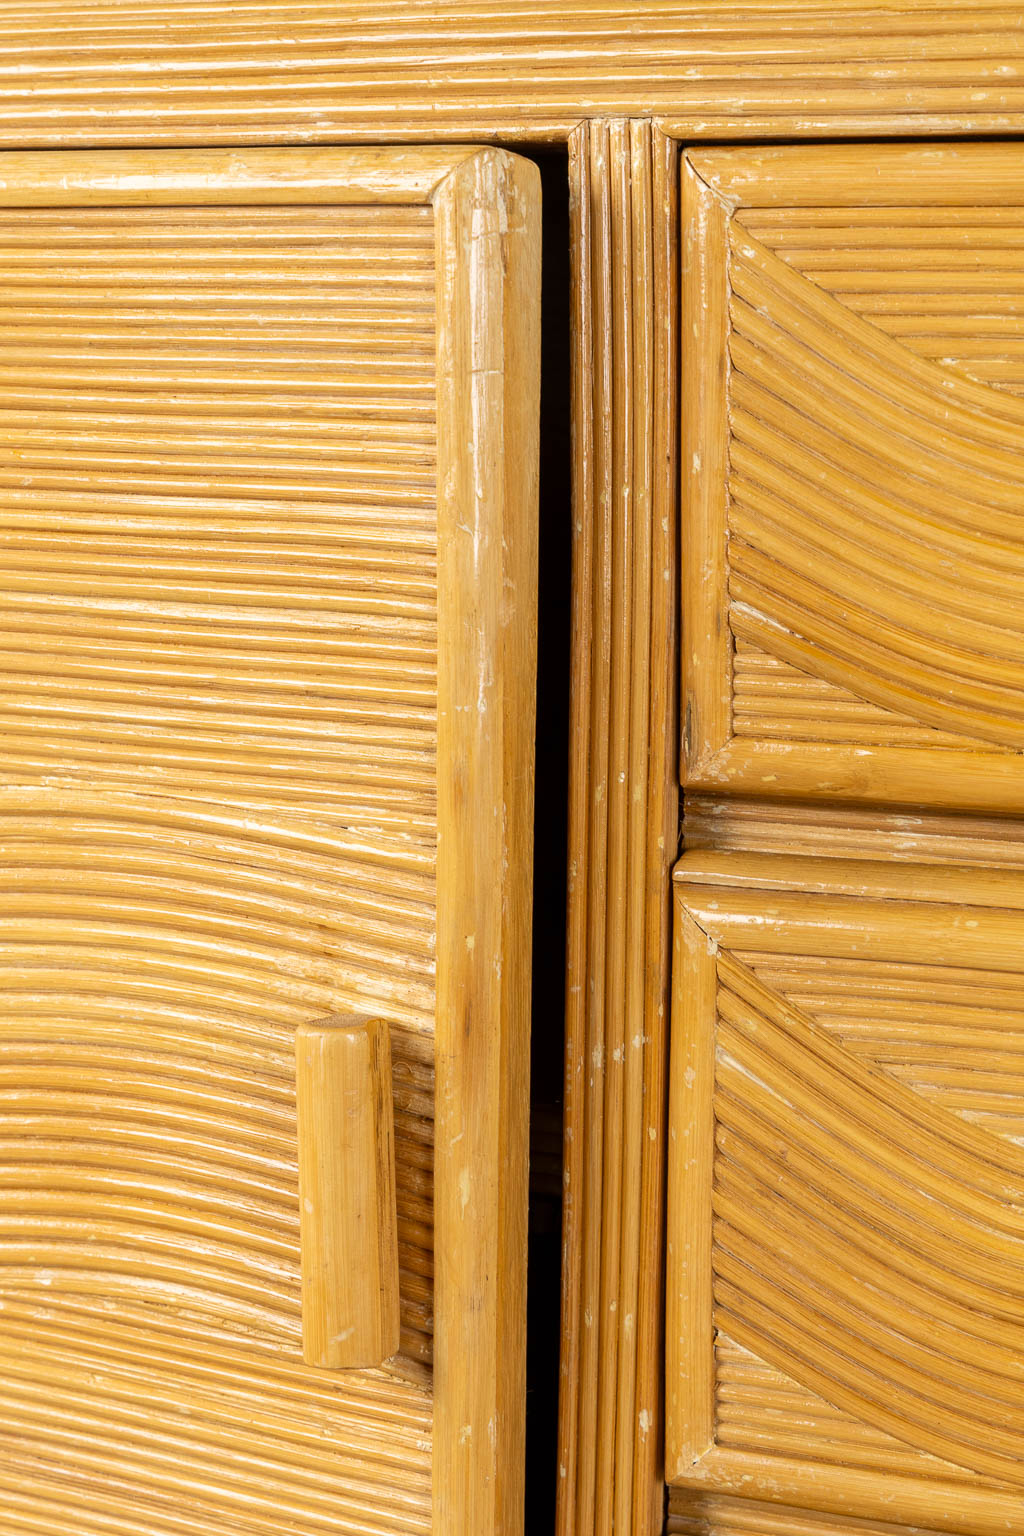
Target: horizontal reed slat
218,682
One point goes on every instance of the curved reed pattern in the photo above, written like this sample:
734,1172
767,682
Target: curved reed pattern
761,1410
874,516
773,699
945,287
157,961
953,1033
893,1290
217,819
845,1327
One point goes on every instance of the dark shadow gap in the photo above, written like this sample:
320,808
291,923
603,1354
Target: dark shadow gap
550,858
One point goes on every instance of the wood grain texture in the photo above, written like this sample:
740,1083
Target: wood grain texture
196,177
751,825
278,71
851,597
623,827
712,1515
219,818
158,957
488,303
758,1406
776,701
189,401
944,285
844,1246
348,1227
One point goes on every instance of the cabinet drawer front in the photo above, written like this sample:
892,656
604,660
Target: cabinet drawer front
846,1252
267,508
853,471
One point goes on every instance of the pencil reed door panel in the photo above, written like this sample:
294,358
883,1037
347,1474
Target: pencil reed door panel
267,512
845,1246
853,386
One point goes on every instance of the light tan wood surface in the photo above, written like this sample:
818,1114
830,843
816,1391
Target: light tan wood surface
348,1225
195,177
844,1043
122,72
713,1515
488,294
623,826
852,832
852,599
844,1248
229,688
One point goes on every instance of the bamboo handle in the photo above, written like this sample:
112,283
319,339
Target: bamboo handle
348,1222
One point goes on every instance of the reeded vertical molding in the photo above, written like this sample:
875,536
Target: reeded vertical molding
623,823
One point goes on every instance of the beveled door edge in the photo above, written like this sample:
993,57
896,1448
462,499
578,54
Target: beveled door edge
487,211
192,177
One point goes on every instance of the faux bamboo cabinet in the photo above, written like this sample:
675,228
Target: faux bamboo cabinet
267,632
267,472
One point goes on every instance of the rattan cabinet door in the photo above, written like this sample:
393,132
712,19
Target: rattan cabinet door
845,1243
267,513
845,1299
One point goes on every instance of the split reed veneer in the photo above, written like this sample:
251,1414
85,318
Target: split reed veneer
267,633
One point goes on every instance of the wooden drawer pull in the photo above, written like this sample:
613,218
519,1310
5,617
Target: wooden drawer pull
348,1223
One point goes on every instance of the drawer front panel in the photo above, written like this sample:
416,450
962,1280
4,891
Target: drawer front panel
234,713
853,598
845,1251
